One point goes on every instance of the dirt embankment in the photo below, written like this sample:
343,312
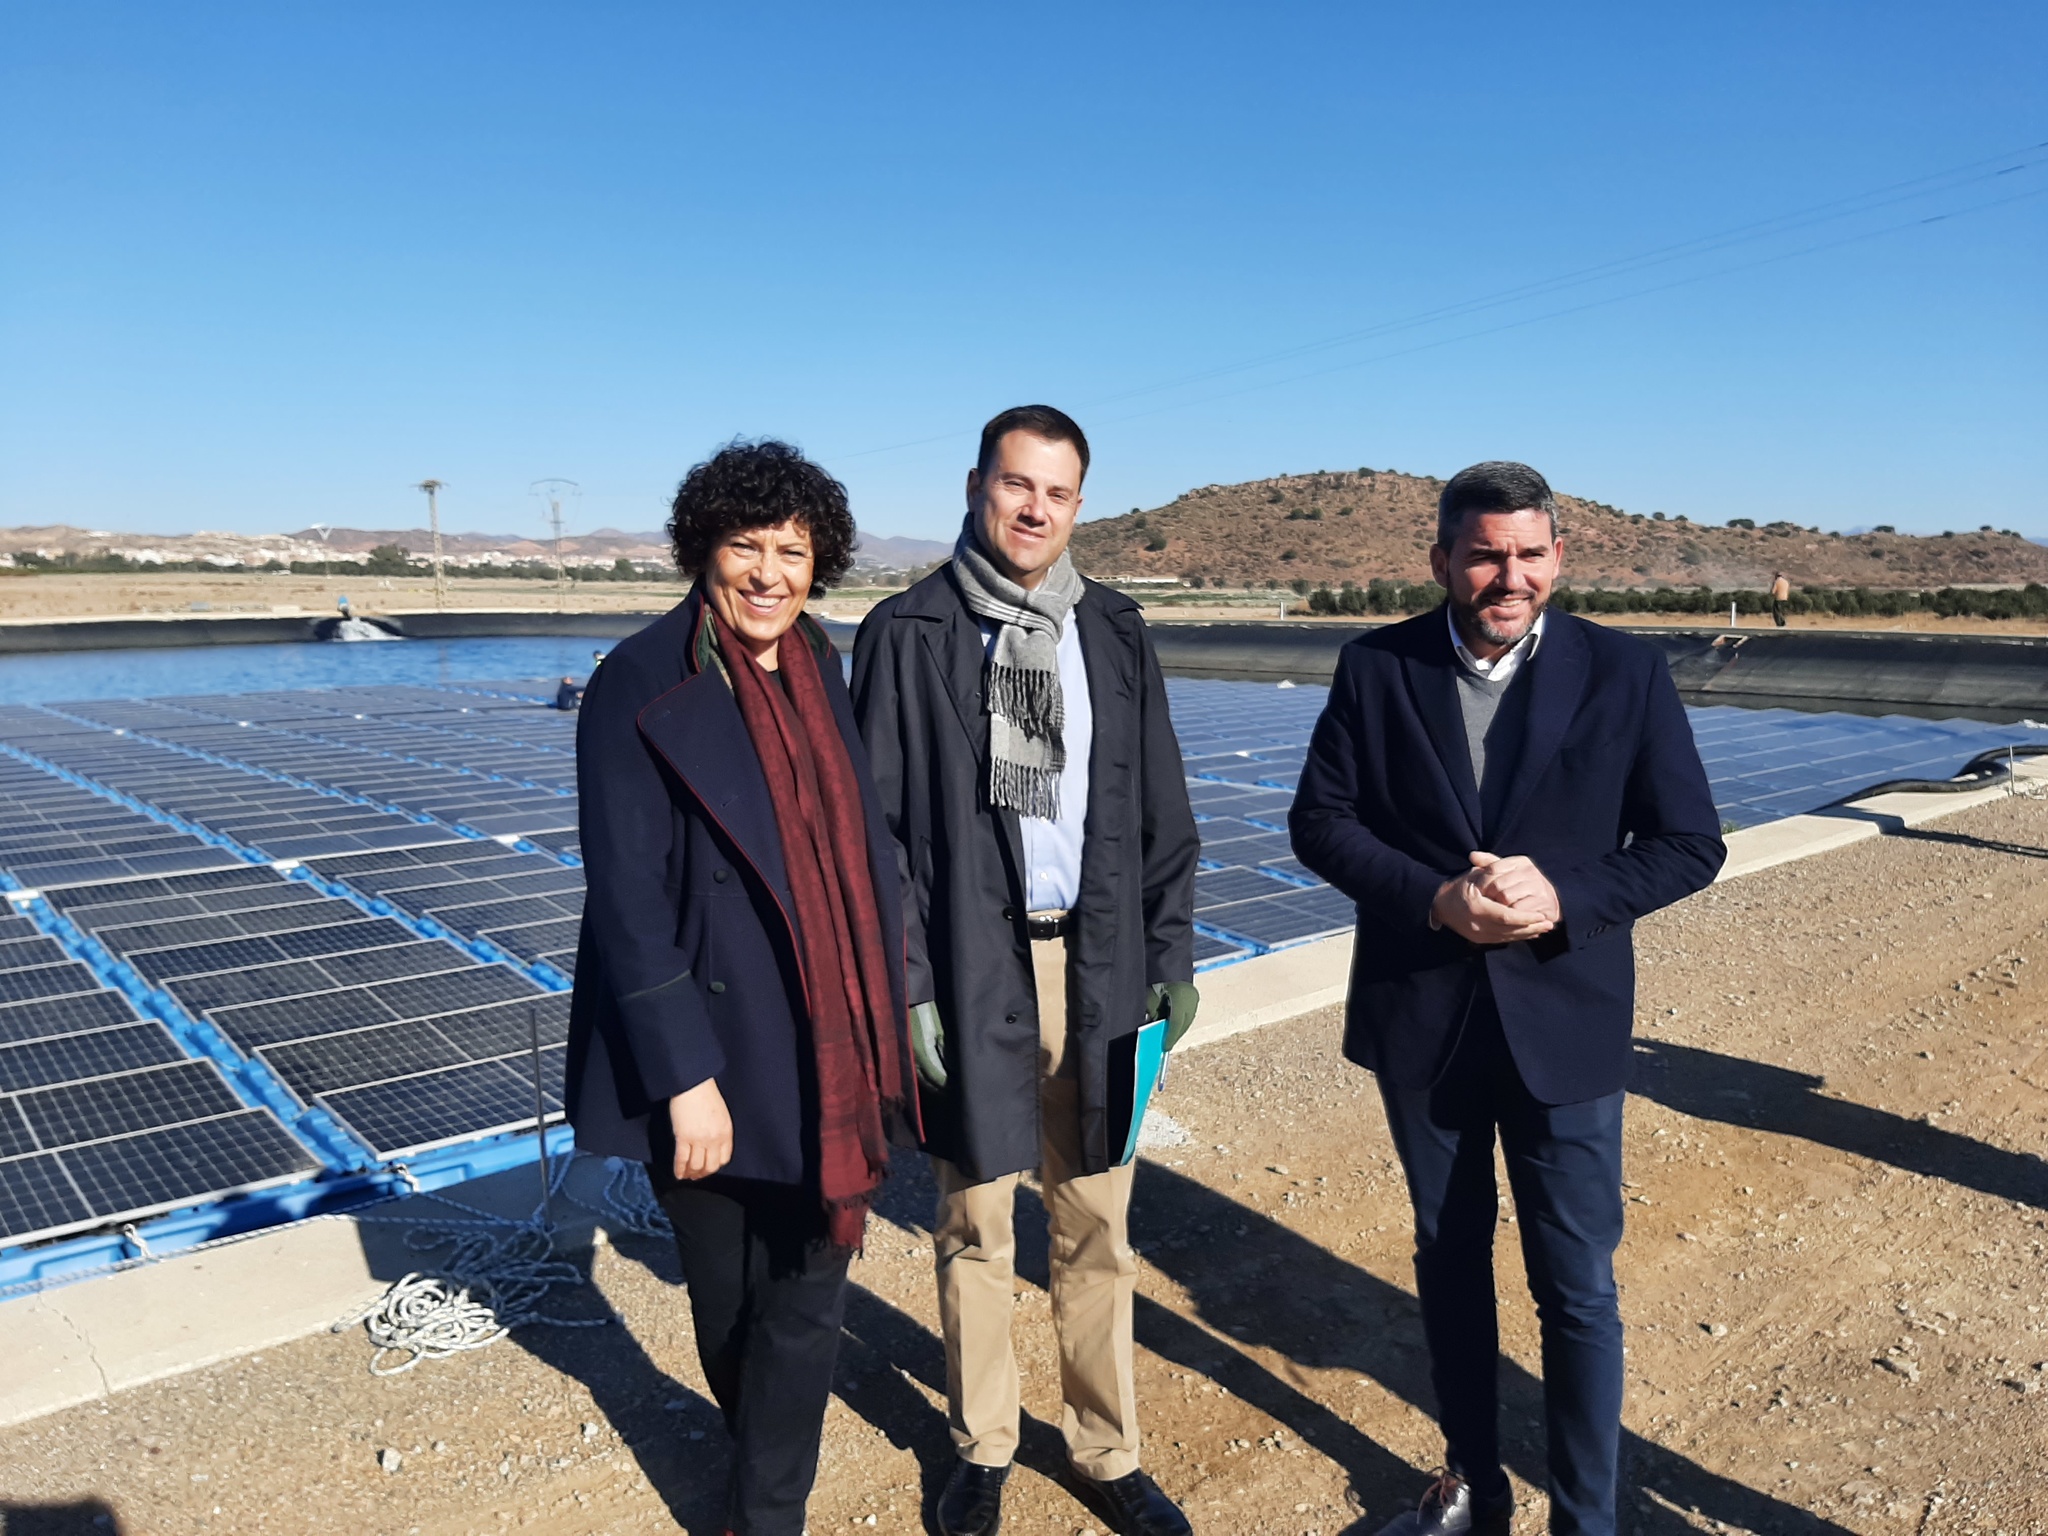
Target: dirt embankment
1832,1283
1355,525
64,595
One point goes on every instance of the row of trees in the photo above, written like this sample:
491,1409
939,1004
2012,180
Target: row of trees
2028,602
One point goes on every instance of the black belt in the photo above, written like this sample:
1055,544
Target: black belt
1048,925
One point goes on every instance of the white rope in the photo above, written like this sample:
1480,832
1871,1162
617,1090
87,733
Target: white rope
496,1275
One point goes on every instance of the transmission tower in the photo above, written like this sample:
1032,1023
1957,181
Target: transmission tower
554,493
323,529
432,488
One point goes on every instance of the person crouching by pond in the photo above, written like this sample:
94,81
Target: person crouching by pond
738,1022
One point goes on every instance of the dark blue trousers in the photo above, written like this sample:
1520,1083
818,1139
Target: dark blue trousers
1564,1168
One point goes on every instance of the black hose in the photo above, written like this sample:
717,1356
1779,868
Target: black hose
1980,772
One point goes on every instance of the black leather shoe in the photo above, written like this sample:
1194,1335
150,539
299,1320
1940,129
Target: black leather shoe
972,1504
1448,1508
1133,1505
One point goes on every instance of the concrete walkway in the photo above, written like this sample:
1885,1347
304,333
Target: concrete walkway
84,1341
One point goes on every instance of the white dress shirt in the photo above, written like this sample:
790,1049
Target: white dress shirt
1052,849
1505,665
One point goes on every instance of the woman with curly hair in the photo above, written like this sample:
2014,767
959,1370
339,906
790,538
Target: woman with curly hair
738,1023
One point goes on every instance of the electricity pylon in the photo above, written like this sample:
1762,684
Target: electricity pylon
554,492
432,487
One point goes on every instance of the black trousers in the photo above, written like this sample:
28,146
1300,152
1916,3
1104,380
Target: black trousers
1564,1167
767,1295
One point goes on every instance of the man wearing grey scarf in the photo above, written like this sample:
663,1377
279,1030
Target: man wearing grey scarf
1027,713
1017,726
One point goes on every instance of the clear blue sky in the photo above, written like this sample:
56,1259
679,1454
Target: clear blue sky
267,264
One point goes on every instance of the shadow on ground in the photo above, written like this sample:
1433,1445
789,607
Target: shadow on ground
88,1517
1255,1283
675,1435
1265,1286
1709,1086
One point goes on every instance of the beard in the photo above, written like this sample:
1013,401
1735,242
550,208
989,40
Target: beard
1469,622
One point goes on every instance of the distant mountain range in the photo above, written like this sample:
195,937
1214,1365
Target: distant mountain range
1324,528
229,550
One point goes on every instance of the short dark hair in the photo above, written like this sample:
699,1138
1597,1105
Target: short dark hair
1498,485
1055,426
761,484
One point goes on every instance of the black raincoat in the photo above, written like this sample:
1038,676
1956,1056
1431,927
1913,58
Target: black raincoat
918,695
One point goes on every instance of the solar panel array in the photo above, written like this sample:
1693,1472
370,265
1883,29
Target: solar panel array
1764,764
104,1116
1243,745
408,1019
362,905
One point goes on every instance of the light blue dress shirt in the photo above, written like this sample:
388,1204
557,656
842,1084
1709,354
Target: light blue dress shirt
1052,849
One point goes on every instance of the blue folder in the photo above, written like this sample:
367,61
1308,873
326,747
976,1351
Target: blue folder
1135,1062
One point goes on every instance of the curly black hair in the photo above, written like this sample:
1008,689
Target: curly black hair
761,484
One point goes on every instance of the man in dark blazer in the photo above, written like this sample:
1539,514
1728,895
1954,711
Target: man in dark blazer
1016,719
1504,791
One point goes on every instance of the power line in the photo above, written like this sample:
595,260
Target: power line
1868,201
1701,245
1510,325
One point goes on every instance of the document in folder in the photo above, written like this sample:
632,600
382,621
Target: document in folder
1134,1066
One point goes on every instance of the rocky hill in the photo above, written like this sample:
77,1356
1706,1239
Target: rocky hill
1336,526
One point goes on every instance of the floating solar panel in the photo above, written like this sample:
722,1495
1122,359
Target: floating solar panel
330,1062
109,1122
51,1016
533,940
67,1058
16,953
1209,948
483,1033
254,1025
1290,918
46,981
235,877
454,991
128,1176
73,1113
413,1114
426,957
1213,887
475,917
294,978
38,1198
1291,868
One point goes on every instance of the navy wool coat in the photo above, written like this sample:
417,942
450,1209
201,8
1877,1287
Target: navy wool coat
1607,796
918,669
686,968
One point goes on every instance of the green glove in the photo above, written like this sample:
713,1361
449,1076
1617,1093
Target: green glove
1175,1002
928,1045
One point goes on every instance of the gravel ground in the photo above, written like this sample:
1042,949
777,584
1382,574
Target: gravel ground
1832,1284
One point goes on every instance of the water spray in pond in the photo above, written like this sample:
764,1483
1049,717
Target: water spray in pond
349,627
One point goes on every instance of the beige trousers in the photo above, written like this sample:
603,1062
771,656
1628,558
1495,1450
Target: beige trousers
1094,1275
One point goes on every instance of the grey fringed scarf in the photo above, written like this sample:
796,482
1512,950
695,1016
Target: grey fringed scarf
1027,715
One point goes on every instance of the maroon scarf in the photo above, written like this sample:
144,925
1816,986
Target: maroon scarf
857,1034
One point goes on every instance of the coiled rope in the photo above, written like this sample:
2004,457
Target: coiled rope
495,1278
497,1274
